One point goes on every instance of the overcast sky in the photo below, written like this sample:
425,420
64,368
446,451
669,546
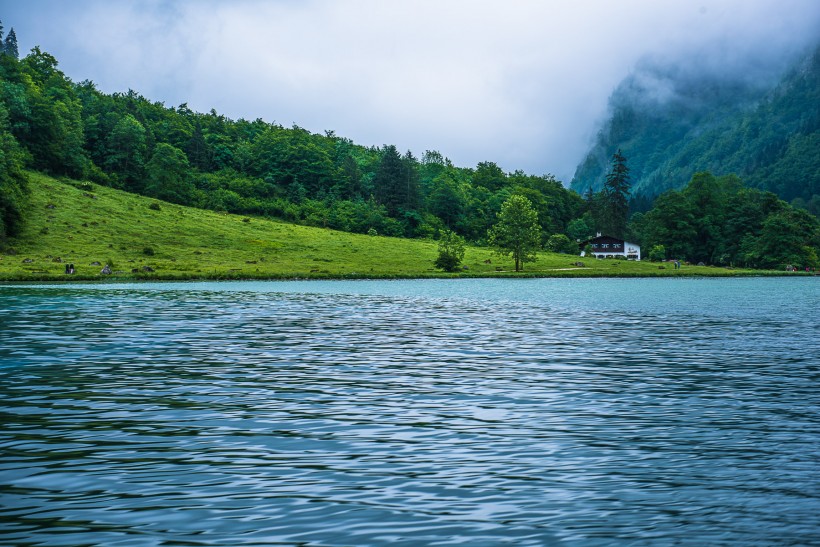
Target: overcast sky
522,83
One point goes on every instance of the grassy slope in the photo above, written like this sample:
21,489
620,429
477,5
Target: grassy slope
99,224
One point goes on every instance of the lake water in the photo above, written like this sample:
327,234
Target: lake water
435,412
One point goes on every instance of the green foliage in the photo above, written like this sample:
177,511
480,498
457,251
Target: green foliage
451,248
396,181
719,123
148,251
580,228
517,232
10,45
202,244
13,187
788,237
715,220
609,208
167,175
657,253
126,152
559,243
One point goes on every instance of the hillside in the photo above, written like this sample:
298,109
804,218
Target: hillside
671,123
83,223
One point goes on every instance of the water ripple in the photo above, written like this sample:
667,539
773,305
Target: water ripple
408,413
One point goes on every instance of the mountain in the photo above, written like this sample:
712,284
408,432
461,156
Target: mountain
671,122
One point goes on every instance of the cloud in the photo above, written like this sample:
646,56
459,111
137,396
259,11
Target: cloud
519,82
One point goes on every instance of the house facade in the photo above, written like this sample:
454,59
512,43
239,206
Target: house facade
611,247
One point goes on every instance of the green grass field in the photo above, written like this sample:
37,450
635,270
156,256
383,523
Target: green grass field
81,223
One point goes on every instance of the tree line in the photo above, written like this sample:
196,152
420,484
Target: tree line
123,140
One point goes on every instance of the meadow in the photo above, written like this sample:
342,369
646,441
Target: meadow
90,226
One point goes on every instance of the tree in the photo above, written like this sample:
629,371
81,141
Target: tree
671,223
559,243
517,232
787,238
166,175
615,196
489,175
10,45
657,253
13,187
450,251
579,228
198,149
126,151
444,201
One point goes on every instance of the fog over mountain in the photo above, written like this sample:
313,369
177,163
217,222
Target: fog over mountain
525,84
674,119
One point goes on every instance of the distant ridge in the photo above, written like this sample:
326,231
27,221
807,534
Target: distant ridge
671,124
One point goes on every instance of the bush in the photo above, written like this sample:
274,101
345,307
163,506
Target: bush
155,206
450,251
148,251
372,232
559,243
657,253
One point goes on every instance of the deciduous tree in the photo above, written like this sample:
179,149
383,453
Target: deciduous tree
517,232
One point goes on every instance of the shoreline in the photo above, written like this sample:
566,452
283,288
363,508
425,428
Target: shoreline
300,276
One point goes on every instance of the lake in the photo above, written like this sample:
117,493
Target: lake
429,412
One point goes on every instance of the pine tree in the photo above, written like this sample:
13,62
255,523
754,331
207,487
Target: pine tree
10,45
616,197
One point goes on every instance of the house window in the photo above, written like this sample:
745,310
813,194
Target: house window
605,246
616,245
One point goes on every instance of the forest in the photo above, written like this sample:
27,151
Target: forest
674,121
50,124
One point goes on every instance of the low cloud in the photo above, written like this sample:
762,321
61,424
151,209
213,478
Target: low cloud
522,83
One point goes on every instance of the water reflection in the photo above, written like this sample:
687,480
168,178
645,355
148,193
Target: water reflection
335,414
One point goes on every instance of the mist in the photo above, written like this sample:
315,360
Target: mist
521,83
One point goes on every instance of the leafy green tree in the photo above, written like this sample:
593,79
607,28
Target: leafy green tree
13,187
746,212
517,232
451,249
657,253
45,114
444,201
580,228
126,151
489,175
788,237
671,223
559,243
167,175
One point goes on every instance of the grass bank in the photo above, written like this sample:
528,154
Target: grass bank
90,226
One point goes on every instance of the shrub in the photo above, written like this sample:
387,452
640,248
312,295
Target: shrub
155,206
450,251
657,253
148,251
559,243
372,232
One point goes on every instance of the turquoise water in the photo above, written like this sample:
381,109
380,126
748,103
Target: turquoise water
435,412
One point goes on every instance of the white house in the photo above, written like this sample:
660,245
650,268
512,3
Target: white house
611,247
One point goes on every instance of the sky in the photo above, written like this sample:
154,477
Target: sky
523,83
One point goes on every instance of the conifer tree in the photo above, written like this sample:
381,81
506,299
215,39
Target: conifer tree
616,197
10,45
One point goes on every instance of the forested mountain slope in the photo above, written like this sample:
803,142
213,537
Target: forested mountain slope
671,123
